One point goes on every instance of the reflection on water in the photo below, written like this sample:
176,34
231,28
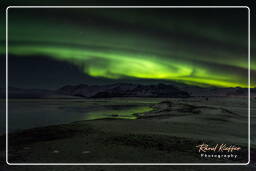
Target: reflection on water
117,112
29,113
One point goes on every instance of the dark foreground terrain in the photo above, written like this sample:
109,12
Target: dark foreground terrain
167,134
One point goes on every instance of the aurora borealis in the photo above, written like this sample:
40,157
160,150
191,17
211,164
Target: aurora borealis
205,47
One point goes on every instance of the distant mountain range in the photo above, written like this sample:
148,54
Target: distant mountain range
126,90
217,91
123,90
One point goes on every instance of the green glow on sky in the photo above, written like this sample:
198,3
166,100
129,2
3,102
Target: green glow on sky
102,51
117,65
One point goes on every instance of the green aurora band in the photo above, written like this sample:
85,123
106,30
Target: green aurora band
104,51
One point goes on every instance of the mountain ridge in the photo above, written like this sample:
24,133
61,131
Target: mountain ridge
127,90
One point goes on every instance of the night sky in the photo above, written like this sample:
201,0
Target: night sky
49,48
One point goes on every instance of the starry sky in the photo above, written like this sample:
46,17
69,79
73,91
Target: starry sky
203,47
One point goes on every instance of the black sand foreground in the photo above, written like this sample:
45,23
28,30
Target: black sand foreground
104,141
168,134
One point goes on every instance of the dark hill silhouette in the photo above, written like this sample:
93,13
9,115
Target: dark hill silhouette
127,90
123,90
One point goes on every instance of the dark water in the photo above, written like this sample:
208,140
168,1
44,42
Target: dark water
29,113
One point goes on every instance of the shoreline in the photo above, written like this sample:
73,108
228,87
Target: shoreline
169,133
